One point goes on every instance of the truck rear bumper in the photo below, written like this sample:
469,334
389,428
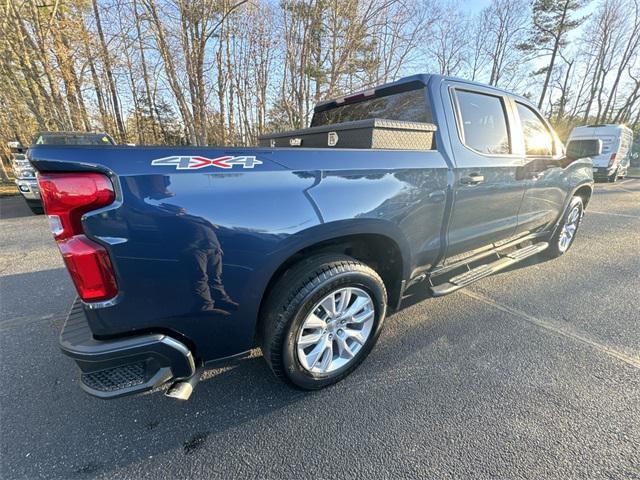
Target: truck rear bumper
29,189
125,366
600,173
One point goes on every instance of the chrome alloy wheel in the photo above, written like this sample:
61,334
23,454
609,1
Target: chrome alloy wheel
569,228
336,330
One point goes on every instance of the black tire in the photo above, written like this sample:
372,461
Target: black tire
555,248
35,206
292,299
614,177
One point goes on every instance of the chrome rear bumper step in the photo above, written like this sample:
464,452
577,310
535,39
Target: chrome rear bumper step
123,366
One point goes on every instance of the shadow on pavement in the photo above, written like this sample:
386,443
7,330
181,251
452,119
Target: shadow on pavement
420,292
14,207
25,297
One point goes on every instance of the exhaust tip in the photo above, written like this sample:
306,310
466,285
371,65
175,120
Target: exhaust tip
182,389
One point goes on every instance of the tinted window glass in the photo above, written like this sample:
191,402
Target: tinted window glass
537,139
484,122
409,106
72,139
582,148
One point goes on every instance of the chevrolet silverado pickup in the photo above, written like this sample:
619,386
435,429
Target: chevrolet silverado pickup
185,256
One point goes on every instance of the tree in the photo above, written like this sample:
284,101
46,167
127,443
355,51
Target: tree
552,21
505,22
604,33
449,41
629,55
106,61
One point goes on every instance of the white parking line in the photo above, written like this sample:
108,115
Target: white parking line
611,213
617,184
628,359
626,190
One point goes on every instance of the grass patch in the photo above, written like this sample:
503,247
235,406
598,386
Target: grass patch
7,189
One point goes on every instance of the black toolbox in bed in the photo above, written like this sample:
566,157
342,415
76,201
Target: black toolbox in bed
371,133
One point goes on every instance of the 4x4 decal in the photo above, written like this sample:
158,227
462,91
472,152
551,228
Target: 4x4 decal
183,162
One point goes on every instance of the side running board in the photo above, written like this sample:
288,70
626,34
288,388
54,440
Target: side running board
482,271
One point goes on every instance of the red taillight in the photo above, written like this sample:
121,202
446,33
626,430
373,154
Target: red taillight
612,159
90,268
66,197
69,195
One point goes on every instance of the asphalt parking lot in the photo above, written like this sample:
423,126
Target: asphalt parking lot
532,373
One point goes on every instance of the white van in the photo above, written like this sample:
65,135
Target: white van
613,161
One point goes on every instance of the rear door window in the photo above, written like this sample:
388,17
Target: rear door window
537,137
484,122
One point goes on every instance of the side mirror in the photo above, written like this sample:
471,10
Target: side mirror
577,149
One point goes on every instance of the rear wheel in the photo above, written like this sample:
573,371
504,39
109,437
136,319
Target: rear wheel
565,234
322,319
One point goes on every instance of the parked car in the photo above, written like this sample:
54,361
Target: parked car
24,173
183,256
616,140
24,176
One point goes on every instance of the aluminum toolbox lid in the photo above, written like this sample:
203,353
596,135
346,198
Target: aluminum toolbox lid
371,123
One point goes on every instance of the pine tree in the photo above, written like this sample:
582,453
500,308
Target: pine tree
552,21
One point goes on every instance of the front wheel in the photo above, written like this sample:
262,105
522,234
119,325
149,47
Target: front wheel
565,234
322,319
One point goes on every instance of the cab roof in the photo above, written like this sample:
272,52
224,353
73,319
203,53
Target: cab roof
407,83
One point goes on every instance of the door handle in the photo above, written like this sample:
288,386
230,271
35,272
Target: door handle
472,179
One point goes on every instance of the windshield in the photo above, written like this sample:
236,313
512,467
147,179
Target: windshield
410,106
73,139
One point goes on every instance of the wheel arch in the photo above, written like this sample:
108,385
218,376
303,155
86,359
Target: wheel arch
380,252
584,192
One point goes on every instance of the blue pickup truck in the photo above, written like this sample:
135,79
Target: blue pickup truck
185,256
